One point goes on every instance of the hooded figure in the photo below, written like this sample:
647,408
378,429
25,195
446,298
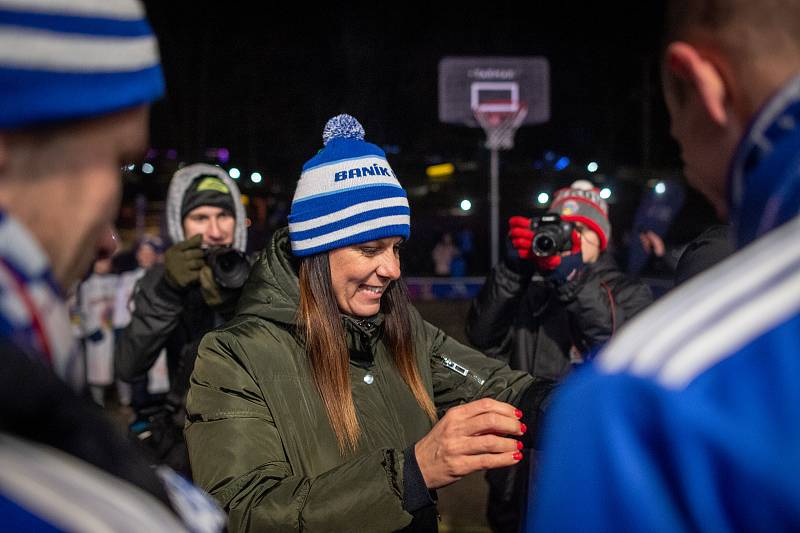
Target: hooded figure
176,303
75,89
181,190
546,314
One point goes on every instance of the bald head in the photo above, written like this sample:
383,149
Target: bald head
723,59
768,17
757,40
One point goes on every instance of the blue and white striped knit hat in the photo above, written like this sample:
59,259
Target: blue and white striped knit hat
74,59
347,194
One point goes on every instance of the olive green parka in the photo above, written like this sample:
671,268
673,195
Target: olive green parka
259,437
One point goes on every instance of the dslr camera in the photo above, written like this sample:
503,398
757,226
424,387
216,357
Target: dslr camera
229,266
552,235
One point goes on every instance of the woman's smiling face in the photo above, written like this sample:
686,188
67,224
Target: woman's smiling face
362,272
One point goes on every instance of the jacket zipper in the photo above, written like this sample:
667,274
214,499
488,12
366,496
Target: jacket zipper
462,370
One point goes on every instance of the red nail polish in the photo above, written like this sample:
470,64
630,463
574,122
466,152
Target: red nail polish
517,456
517,413
519,444
522,427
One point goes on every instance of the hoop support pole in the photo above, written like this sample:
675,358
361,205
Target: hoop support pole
494,207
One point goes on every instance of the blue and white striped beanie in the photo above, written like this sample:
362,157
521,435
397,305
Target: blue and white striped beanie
73,59
347,194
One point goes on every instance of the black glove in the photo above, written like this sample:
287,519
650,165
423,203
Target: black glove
157,432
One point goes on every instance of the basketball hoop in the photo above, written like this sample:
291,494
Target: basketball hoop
500,120
499,94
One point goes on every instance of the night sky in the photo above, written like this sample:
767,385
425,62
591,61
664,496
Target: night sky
262,83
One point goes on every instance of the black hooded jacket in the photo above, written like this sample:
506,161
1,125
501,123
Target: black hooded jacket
540,328
165,317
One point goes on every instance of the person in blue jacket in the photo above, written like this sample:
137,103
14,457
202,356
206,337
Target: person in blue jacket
77,78
690,418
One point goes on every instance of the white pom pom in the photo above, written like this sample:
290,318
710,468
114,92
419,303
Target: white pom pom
342,127
582,185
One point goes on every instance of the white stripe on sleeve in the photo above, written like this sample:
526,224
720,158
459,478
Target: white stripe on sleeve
728,335
647,343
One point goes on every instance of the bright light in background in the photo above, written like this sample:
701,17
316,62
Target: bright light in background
234,172
660,187
440,171
466,205
147,168
605,193
444,169
130,168
255,177
543,198
592,167
562,163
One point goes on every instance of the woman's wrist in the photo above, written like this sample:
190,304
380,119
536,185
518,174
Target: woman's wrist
416,494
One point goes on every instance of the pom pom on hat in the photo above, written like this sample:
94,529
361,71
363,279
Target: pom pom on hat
342,127
582,185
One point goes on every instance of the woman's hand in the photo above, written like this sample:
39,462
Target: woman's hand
467,438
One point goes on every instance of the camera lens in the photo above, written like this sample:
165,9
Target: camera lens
552,235
227,262
230,267
544,244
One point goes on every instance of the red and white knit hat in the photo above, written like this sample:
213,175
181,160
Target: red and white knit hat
581,202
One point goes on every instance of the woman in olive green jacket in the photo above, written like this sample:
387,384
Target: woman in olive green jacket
328,403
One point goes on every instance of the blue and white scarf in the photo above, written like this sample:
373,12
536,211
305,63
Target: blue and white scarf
34,317
33,314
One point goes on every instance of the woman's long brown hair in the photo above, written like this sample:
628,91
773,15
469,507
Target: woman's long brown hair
326,346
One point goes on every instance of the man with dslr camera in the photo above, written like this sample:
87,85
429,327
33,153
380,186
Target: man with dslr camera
555,299
175,304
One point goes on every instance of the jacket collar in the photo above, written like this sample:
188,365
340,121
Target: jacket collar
763,181
272,293
363,335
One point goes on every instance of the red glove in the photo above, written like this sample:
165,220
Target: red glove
521,236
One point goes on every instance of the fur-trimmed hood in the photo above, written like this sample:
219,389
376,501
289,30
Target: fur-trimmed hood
180,183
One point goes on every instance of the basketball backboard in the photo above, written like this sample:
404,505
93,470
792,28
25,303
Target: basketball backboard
493,84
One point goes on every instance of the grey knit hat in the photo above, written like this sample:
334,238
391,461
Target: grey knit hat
581,202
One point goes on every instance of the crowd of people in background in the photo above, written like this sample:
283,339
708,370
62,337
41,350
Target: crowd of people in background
99,311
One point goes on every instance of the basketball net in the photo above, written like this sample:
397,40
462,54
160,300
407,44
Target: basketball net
500,126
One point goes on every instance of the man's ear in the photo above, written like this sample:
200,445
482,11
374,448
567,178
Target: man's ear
701,74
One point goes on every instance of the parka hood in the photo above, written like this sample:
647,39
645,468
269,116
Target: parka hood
180,183
272,291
